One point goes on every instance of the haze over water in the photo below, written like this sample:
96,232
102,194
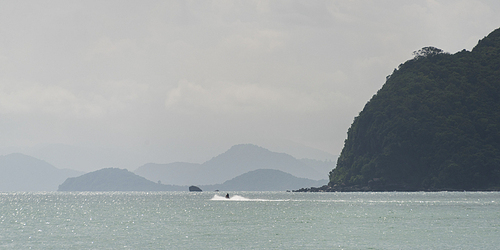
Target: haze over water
91,84
250,220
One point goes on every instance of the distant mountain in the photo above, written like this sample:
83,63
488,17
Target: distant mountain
20,172
294,149
264,180
242,158
238,160
114,179
80,157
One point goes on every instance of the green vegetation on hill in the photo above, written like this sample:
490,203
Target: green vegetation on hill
434,125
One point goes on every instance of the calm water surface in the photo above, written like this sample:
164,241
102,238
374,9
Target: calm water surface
250,220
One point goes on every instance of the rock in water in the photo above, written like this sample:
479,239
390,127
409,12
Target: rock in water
194,189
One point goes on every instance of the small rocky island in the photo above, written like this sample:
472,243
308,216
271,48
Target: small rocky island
194,189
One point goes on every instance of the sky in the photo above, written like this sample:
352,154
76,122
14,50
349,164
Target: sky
92,84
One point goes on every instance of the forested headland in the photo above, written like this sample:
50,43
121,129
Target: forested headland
434,125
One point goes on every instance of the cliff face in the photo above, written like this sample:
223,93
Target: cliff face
434,125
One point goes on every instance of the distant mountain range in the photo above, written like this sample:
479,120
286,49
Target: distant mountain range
238,160
114,179
20,172
242,167
86,158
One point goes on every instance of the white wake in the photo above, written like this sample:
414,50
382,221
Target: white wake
235,198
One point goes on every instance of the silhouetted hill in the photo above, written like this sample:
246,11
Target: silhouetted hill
20,172
238,160
242,158
434,125
264,180
114,179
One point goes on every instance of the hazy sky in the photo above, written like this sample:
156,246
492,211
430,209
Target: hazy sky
186,80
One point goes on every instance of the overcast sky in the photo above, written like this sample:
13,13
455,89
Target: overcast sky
186,80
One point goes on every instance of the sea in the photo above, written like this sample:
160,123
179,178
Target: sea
249,220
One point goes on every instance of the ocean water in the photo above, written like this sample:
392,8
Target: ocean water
250,220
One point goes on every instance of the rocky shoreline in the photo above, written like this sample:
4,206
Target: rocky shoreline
384,188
